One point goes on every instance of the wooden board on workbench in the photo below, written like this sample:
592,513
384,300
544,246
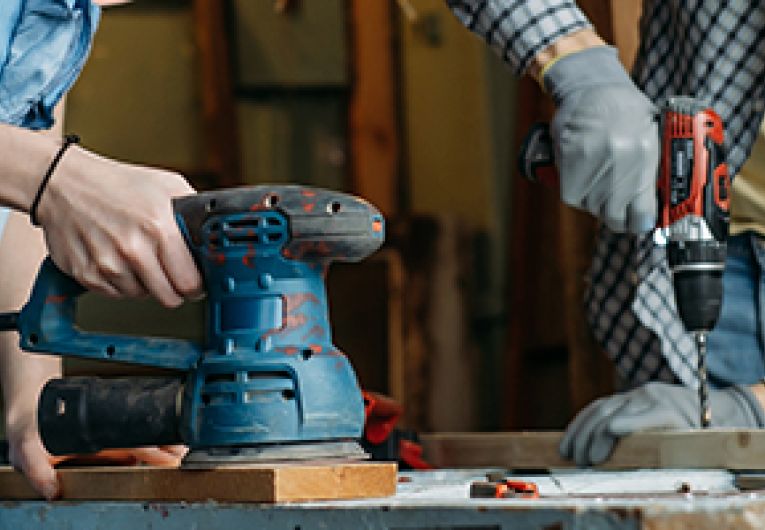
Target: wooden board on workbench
693,449
253,483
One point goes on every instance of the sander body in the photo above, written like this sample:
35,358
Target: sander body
267,383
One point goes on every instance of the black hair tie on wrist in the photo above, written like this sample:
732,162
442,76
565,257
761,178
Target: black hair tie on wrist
69,139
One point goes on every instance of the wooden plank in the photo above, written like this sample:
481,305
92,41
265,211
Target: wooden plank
373,112
692,449
255,483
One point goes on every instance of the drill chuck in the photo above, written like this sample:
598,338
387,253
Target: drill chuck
697,269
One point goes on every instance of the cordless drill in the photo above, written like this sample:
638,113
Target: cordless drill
693,188
694,216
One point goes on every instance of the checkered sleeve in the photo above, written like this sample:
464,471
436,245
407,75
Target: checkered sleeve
519,29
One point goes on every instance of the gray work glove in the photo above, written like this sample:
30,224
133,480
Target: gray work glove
606,139
591,436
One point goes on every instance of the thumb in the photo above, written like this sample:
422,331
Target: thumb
31,458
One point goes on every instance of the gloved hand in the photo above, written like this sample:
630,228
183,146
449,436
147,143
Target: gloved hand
606,138
591,436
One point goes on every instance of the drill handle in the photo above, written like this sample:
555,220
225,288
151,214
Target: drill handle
46,324
536,158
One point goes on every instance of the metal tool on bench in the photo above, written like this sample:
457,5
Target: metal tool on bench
693,189
498,486
268,384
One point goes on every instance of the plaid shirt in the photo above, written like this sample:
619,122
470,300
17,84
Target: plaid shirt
709,49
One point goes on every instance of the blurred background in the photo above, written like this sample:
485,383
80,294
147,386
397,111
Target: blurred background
470,315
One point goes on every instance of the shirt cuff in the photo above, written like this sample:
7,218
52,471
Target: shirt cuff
519,30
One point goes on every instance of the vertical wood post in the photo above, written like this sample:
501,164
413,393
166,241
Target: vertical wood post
373,113
221,134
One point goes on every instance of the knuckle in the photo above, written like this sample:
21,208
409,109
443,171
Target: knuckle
93,282
648,145
620,145
107,268
175,184
153,227
131,248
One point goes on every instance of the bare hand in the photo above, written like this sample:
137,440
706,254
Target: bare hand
111,226
28,455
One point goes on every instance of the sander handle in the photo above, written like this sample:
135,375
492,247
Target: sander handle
46,324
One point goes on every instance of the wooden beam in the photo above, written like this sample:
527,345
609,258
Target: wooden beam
373,112
625,19
220,130
533,218
255,483
692,449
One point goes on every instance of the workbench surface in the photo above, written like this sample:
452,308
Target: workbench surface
439,500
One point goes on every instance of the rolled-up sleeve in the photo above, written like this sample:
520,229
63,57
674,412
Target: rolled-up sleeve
43,47
518,30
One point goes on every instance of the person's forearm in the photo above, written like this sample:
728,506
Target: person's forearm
21,374
24,157
22,248
566,45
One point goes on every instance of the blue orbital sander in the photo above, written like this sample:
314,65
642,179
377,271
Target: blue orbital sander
267,384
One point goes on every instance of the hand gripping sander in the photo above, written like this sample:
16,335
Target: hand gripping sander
267,384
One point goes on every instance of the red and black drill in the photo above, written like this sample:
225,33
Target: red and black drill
693,192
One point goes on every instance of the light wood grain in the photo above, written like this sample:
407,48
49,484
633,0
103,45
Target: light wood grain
708,449
256,483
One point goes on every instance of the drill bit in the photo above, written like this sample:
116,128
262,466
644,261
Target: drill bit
706,412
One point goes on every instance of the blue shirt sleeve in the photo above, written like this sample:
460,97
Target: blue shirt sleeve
43,47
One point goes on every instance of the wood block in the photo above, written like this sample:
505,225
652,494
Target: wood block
690,449
252,483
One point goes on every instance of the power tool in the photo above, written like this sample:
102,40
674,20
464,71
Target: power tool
693,189
267,384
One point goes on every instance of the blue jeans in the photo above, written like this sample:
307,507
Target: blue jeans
735,346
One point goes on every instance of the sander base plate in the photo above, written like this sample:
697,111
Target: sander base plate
216,457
